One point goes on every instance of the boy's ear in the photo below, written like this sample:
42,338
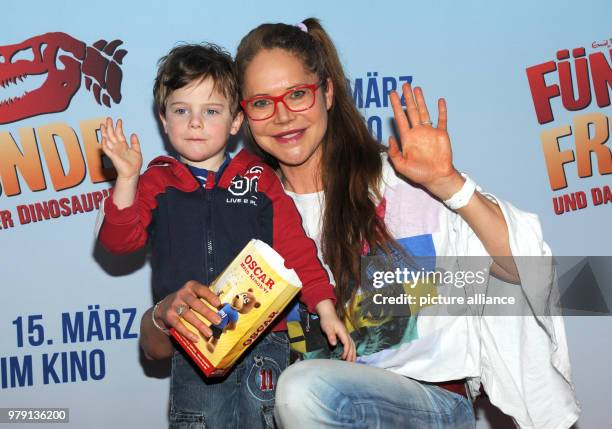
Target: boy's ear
162,118
236,123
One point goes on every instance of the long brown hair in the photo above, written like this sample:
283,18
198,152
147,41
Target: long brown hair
351,164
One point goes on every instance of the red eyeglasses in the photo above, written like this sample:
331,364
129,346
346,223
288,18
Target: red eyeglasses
296,99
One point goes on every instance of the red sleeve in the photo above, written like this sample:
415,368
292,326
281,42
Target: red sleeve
292,243
125,230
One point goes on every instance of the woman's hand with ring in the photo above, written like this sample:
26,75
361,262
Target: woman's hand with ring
184,304
423,154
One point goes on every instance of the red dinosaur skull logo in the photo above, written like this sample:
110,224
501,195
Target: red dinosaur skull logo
64,60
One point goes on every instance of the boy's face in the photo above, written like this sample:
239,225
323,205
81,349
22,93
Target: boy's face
198,122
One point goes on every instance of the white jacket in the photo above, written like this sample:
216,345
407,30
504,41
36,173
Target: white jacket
522,361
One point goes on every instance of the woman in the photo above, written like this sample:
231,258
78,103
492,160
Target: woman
353,204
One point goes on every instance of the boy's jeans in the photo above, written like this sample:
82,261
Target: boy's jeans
334,394
242,399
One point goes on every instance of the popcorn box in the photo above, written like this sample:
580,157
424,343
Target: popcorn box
254,289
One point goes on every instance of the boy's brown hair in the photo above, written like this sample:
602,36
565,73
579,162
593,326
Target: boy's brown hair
189,63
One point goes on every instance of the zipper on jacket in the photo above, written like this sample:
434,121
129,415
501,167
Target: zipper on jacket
209,265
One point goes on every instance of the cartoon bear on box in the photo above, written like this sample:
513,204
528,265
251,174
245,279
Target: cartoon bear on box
229,313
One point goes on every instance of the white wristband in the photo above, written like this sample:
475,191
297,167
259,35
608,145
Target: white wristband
462,197
164,330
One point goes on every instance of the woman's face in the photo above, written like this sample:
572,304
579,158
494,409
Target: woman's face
293,138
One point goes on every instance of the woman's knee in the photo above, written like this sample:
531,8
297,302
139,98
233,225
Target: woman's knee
296,382
293,394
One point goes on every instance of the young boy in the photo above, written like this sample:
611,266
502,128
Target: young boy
198,213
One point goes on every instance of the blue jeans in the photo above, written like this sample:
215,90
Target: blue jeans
335,394
242,399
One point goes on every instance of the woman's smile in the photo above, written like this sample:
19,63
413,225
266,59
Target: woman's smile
291,136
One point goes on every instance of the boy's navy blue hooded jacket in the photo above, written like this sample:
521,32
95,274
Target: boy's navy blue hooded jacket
195,231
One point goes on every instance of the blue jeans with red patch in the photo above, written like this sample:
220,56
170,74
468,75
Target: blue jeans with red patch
242,399
322,393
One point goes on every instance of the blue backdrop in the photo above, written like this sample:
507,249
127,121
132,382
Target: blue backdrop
70,313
